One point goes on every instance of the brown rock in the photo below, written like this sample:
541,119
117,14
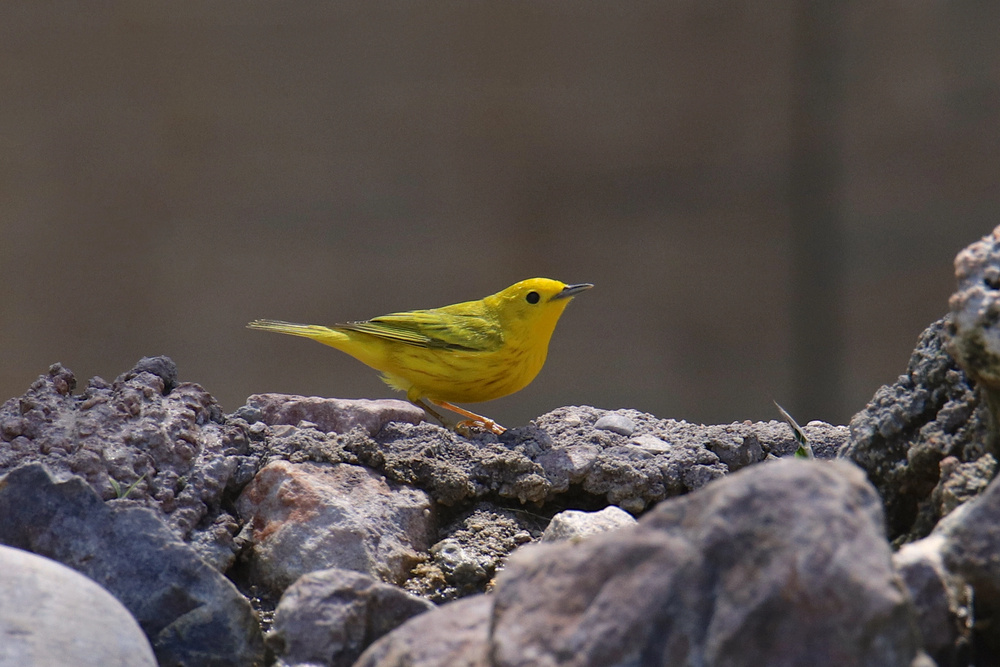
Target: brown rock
312,516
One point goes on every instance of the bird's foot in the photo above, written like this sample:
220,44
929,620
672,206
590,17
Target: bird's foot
470,427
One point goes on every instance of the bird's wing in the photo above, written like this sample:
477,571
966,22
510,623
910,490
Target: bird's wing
440,329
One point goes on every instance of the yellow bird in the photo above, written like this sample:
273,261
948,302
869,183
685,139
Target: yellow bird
463,353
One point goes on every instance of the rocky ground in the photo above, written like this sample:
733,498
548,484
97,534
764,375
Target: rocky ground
333,532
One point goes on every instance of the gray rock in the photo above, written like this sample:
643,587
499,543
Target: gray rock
52,615
576,525
940,598
961,482
779,564
452,468
662,457
616,423
336,415
190,612
560,450
973,328
311,516
454,635
737,452
907,430
329,617
970,551
168,439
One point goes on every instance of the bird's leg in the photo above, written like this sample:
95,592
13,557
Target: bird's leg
473,418
433,413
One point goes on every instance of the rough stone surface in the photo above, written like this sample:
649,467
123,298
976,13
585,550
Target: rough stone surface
660,459
454,635
973,326
971,551
52,615
167,438
331,415
961,482
329,617
473,548
723,576
940,599
190,612
308,516
314,506
910,427
576,525
559,452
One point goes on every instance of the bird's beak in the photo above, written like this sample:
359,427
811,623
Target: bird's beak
570,291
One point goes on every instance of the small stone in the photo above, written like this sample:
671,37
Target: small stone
651,444
615,423
337,415
576,525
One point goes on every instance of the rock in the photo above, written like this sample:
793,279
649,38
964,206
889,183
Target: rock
923,660
560,450
473,548
779,564
970,551
329,617
649,444
661,458
576,525
336,415
454,635
616,423
973,329
449,467
902,436
940,599
311,516
165,440
190,613
52,615
960,482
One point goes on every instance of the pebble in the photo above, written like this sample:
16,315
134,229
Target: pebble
615,423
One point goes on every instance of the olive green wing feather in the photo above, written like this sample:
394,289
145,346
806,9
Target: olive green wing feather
448,329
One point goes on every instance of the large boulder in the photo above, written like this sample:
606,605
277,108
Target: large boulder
190,612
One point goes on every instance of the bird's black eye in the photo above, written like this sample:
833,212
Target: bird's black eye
532,297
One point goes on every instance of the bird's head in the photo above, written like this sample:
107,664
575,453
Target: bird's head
535,304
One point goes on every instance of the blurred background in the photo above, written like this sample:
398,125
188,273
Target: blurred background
768,196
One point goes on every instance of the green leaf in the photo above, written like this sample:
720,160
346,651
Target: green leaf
804,450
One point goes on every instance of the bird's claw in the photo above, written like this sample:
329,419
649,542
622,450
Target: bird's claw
470,427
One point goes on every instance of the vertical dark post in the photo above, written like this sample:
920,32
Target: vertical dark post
815,196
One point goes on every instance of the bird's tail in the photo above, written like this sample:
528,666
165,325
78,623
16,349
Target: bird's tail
318,333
